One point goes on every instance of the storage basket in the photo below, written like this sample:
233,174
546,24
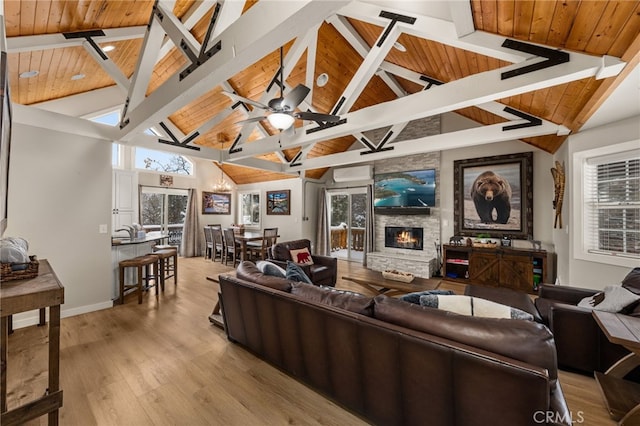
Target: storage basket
405,277
7,273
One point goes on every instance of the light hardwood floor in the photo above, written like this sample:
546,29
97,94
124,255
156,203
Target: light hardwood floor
162,362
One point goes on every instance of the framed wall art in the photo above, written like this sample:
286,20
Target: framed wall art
216,202
494,195
278,202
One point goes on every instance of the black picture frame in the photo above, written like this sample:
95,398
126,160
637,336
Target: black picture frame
5,141
216,202
517,171
279,202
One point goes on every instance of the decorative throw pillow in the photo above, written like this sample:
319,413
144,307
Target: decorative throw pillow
270,268
473,306
415,297
632,281
614,298
295,273
301,256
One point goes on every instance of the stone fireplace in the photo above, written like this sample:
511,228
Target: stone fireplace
410,238
408,256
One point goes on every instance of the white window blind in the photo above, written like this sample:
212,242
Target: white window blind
612,204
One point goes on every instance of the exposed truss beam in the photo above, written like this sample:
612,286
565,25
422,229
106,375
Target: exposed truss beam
57,41
438,30
292,57
469,91
493,107
107,64
367,69
271,26
179,34
446,141
149,55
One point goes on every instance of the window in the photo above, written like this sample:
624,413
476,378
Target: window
249,211
165,162
164,209
610,185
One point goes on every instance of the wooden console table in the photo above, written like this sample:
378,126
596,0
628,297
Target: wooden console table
621,396
26,295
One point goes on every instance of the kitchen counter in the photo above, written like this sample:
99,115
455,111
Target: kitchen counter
151,236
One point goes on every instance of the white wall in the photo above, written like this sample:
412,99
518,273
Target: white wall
290,226
542,180
59,193
573,271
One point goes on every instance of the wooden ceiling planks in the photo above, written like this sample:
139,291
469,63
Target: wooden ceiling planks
592,26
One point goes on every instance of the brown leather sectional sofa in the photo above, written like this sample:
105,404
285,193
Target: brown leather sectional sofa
396,363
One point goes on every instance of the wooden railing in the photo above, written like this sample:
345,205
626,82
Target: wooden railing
339,238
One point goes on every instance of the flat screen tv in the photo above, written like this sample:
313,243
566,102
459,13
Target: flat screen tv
407,191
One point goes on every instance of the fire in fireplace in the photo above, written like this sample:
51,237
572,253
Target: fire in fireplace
403,237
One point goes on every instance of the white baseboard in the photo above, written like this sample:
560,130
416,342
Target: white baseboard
33,317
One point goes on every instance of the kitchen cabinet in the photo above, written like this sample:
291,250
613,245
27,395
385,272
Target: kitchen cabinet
124,198
517,269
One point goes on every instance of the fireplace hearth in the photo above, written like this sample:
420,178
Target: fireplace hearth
403,237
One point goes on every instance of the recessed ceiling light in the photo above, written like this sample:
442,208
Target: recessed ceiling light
77,77
108,48
29,74
399,46
322,79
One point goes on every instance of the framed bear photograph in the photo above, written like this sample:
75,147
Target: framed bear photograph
494,196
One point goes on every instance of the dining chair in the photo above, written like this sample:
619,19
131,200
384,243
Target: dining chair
208,239
231,246
258,249
218,244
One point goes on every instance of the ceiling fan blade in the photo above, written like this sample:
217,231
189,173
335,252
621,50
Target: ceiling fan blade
315,116
252,120
295,97
239,98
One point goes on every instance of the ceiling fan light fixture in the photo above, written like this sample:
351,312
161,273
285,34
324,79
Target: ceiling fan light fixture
280,121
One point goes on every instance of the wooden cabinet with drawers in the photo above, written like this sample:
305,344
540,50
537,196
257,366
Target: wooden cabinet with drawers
518,269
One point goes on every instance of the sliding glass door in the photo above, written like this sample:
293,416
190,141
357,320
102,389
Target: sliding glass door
164,209
347,217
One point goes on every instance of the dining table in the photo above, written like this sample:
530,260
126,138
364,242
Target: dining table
245,237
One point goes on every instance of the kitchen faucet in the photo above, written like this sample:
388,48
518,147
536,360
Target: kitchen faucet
130,229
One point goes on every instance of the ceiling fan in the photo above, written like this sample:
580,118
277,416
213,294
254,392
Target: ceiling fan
282,109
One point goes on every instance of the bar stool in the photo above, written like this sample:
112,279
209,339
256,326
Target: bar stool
168,263
144,265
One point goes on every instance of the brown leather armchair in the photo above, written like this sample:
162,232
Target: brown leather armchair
580,343
323,271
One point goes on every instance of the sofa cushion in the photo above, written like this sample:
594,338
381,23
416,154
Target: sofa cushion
350,301
505,296
527,341
415,296
632,281
295,273
248,271
301,256
613,299
270,268
473,306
